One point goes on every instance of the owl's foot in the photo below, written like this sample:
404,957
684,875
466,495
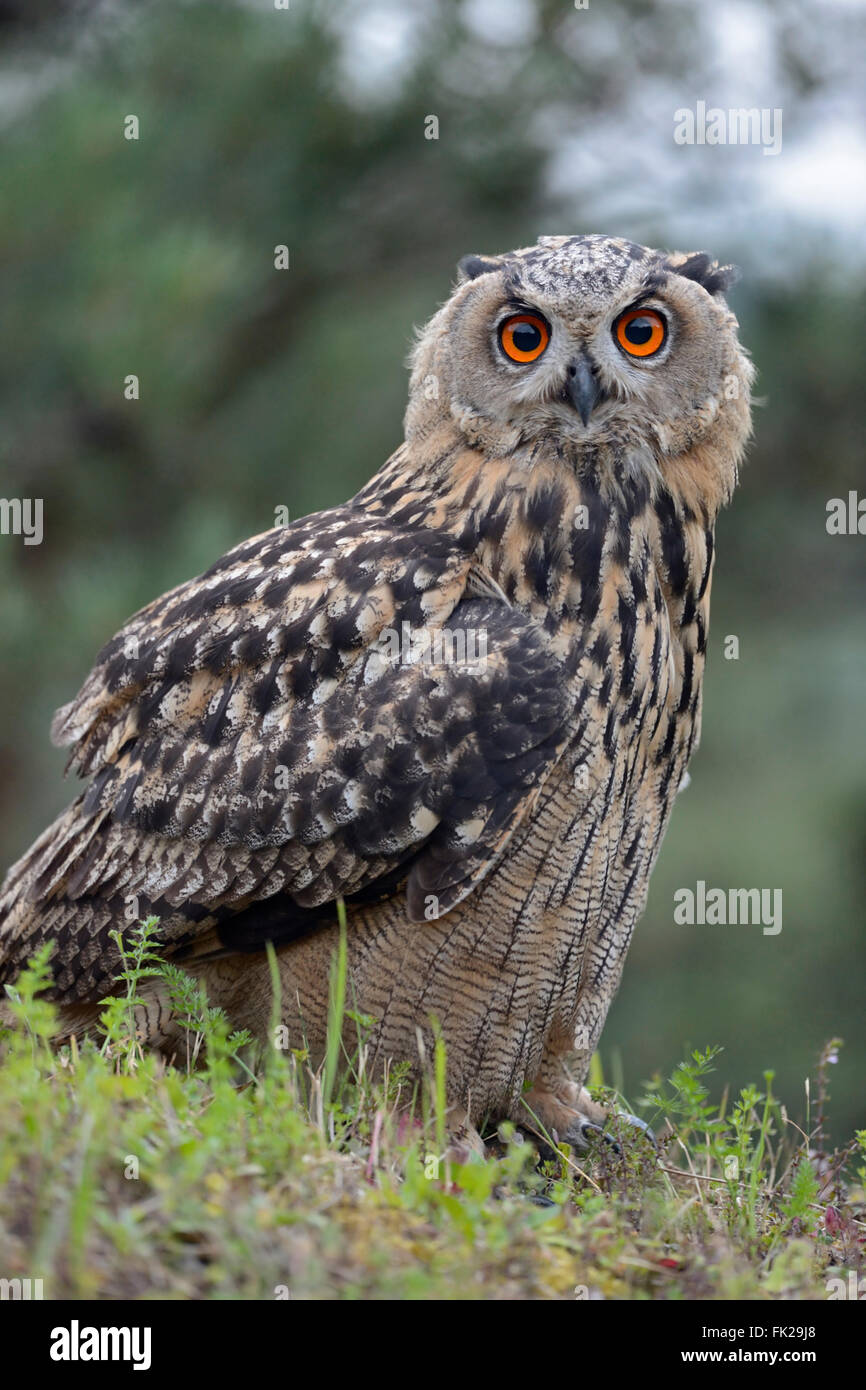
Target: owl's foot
571,1116
465,1143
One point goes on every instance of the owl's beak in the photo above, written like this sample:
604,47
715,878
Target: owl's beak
582,387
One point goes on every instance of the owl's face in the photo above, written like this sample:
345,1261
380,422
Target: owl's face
587,344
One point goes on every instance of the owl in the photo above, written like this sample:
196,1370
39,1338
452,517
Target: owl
462,703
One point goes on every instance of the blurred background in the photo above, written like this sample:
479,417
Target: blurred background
262,388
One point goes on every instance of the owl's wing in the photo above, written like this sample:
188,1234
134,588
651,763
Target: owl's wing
290,723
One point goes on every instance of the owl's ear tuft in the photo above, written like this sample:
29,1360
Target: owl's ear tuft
715,278
472,266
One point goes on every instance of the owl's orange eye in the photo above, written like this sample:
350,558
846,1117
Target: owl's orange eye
640,332
524,337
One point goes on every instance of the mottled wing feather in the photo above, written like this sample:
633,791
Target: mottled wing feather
259,733
295,606
397,756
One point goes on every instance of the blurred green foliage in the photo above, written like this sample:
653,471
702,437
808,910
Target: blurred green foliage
262,388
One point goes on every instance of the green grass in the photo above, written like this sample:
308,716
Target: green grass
235,1175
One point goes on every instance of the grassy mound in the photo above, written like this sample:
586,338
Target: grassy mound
231,1174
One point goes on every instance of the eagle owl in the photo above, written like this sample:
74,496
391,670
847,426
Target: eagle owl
463,702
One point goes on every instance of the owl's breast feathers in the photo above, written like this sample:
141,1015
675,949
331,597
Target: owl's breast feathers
287,727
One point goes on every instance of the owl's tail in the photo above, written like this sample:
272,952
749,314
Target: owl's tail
81,880
36,905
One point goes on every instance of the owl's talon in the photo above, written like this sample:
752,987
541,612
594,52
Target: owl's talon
586,1127
637,1123
590,1127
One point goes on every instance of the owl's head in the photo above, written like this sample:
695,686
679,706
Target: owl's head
607,354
